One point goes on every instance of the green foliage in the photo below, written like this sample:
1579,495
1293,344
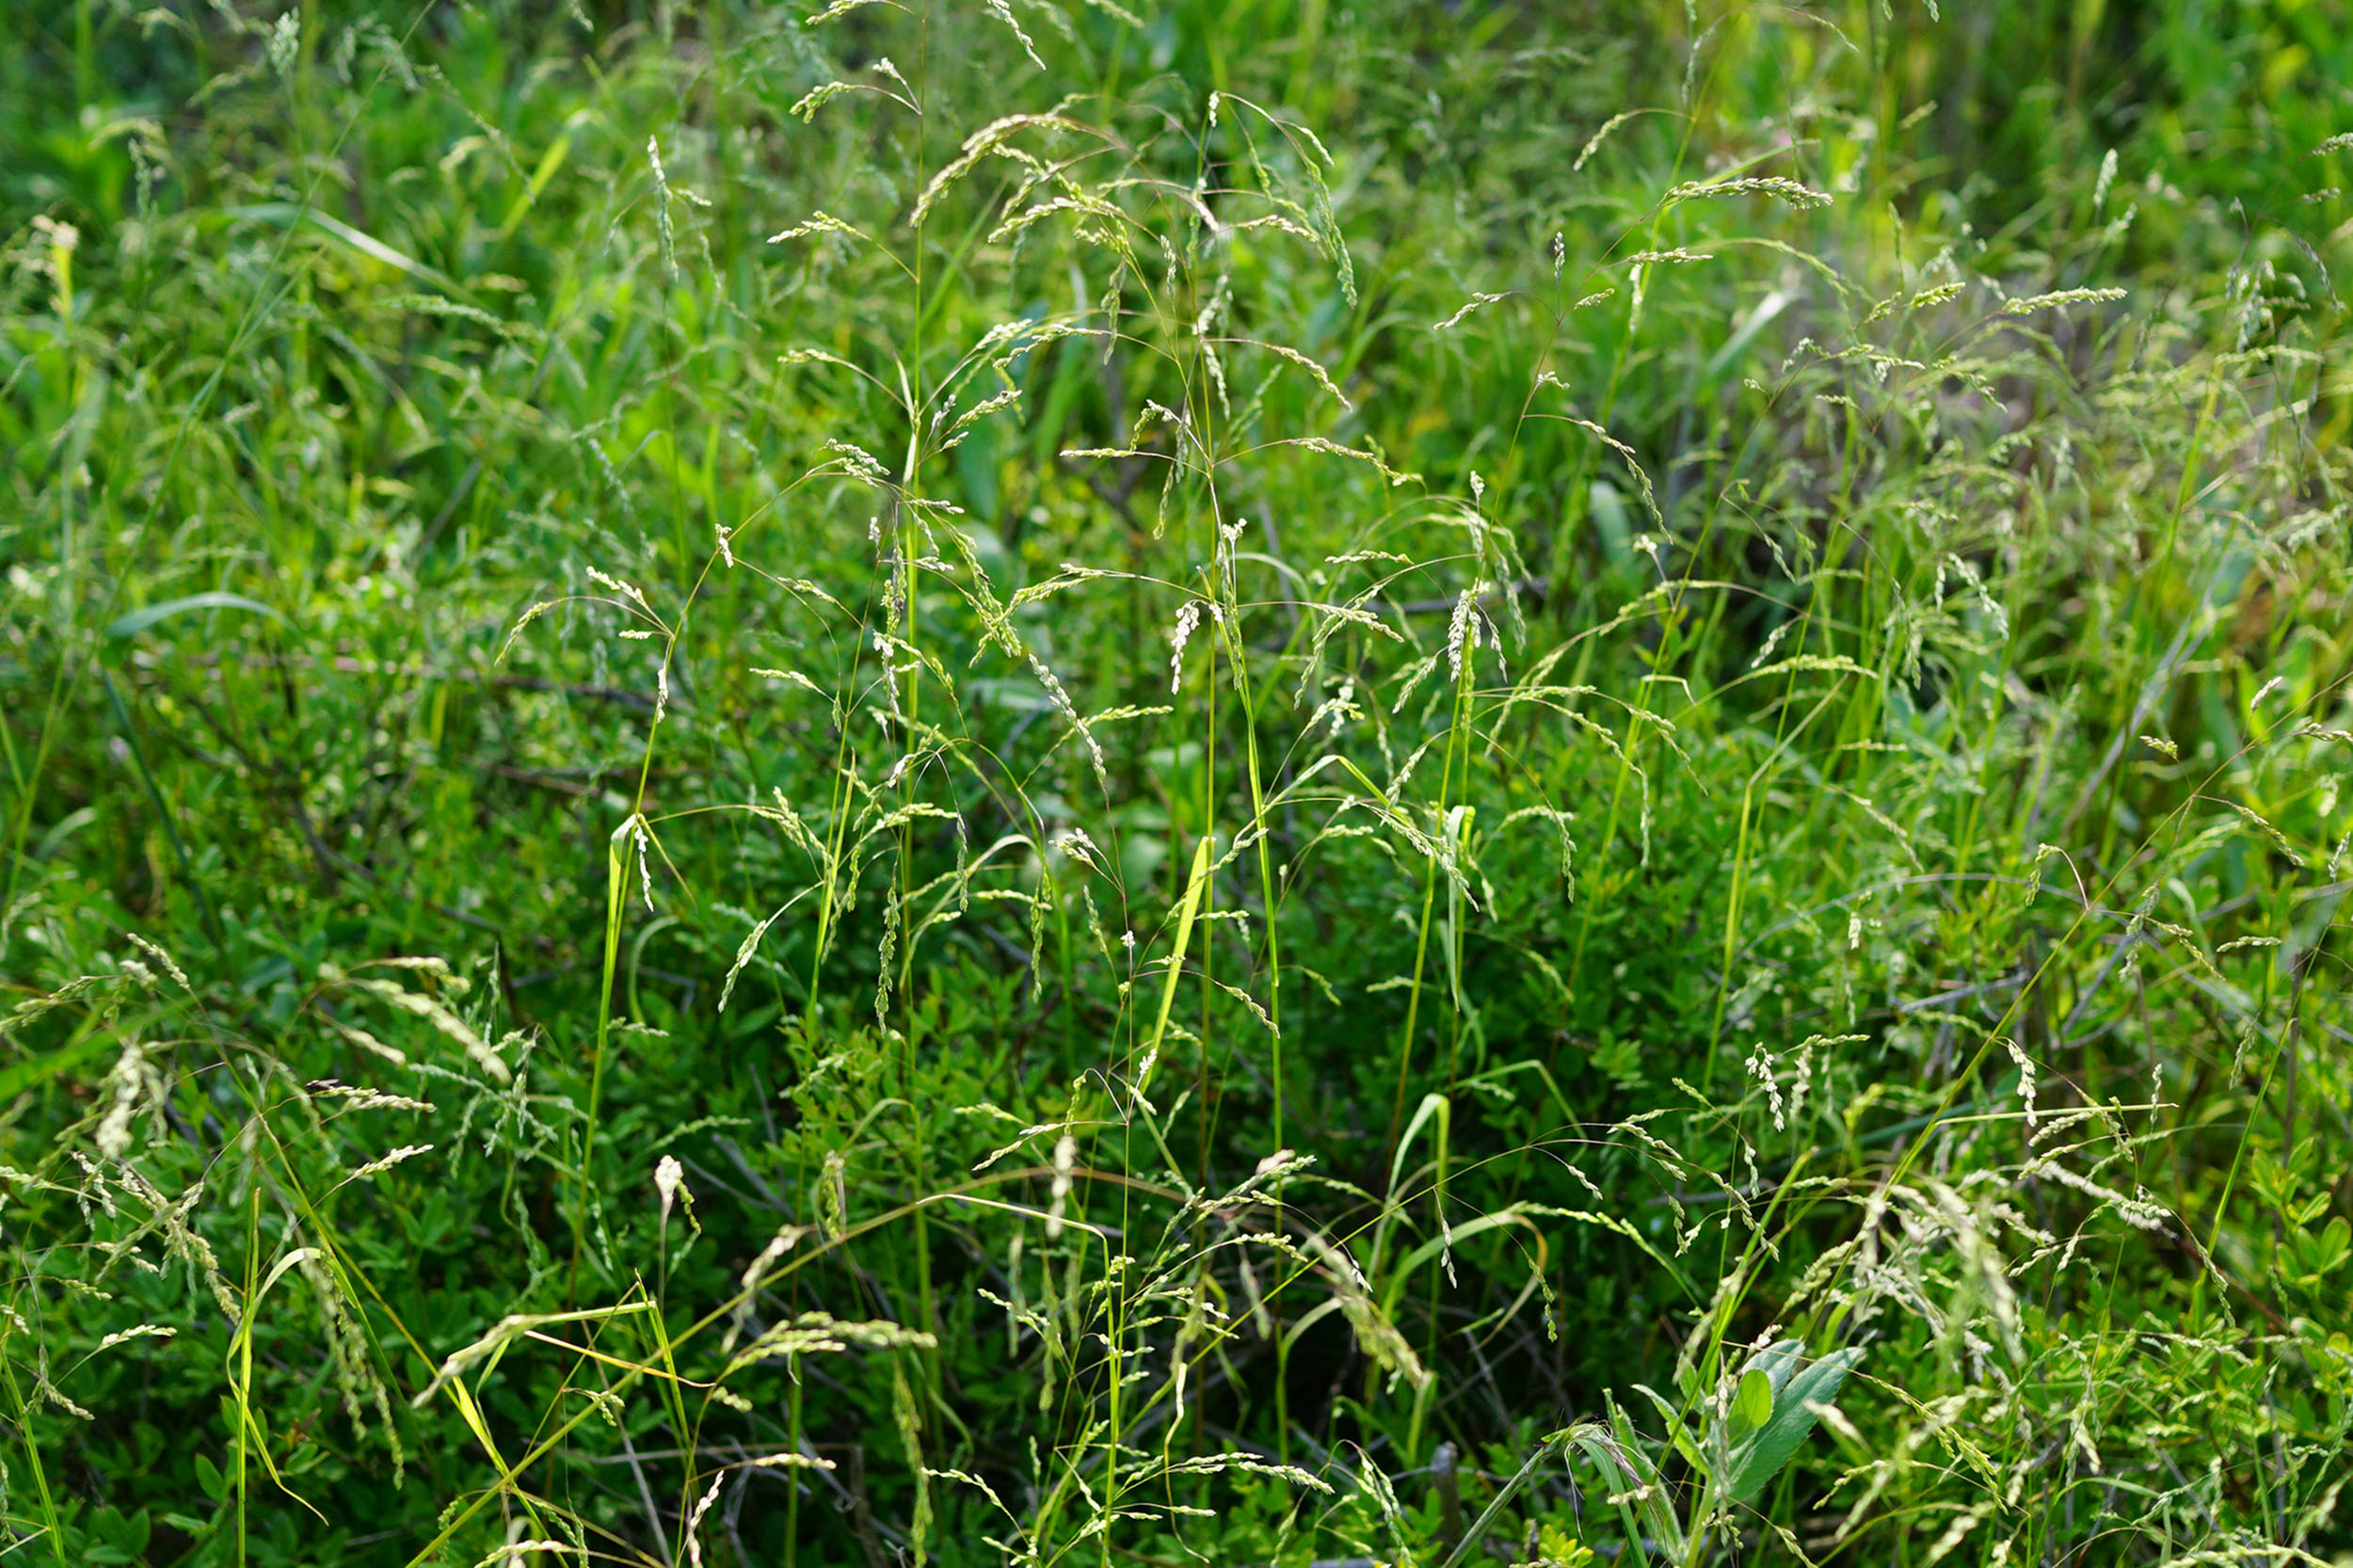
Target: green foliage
1260,783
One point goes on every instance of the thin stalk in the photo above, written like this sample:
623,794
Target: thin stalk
1459,726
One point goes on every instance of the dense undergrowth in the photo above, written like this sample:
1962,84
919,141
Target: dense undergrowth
1262,783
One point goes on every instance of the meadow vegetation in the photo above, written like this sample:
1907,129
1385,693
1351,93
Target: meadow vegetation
1212,782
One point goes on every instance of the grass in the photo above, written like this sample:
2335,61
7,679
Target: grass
1265,784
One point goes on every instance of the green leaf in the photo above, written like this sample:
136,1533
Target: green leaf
1753,1406
126,1532
1677,1434
1792,1387
2336,1242
1632,1475
139,620
367,245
